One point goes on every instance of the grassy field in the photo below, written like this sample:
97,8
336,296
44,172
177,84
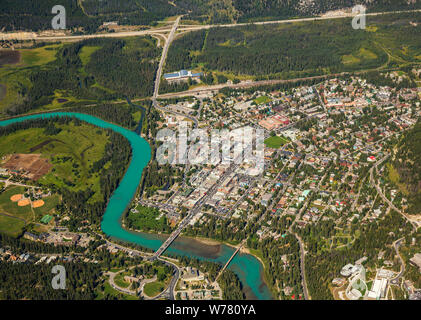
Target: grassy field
71,161
86,52
119,280
16,77
276,142
11,226
114,293
38,56
13,218
152,289
262,100
394,177
11,208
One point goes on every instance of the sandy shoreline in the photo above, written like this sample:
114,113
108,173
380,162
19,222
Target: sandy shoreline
207,241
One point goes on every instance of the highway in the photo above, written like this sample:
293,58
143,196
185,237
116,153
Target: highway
185,28
159,75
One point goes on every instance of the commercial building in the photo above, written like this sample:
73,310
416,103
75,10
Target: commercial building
378,290
181,75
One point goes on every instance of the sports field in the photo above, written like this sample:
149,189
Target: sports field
276,142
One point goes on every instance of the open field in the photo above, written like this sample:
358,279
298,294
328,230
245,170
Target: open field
32,164
152,289
16,77
10,225
262,100
12,208
71,161
276,142
9,57
14,217
39,56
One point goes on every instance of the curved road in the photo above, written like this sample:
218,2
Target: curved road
396,245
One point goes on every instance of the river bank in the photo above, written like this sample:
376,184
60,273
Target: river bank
248,269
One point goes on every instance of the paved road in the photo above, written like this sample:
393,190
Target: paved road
164,57
196,209
396,245
116,287
415,223
244,84
301,242
186,28
8,182
159,75
302,267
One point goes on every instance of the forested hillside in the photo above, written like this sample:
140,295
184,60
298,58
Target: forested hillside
407,161
82,73
89,14
300,49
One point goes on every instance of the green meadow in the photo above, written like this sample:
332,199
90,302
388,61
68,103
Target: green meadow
72,152
276,142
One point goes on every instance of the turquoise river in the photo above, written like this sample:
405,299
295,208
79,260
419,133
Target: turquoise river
246,266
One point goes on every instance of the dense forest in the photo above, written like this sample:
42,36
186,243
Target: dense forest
23,245
126,66
90,14
407,161
33,282
322,265
118,114
36,15
117,69
299,50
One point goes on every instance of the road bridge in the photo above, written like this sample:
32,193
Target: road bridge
230,259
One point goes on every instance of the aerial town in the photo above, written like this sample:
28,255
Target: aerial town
210,151
321,142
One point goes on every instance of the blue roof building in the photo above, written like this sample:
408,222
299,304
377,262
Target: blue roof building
182,74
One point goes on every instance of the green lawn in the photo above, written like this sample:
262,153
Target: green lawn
11,226
11,208
49,205
111,291
262,100
119,280
276,142
153,288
